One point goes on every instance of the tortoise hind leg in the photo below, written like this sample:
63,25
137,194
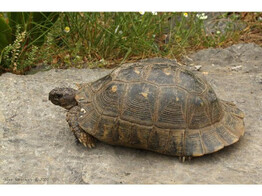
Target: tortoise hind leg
183,159
84,138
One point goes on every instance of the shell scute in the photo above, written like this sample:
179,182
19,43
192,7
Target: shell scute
158,106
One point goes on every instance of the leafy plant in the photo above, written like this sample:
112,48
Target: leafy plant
10,58
20,34
99,39
109,36
116,37
37,24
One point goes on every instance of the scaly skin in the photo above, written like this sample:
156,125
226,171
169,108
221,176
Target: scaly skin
83,137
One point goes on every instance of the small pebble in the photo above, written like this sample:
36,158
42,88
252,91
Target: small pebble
198,67
241,100
259,79
236,68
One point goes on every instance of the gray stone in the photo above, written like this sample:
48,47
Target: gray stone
37,146
247,55
214,24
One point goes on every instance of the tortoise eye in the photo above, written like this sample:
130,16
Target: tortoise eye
58,96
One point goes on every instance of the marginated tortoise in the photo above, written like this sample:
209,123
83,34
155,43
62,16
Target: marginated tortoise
153,104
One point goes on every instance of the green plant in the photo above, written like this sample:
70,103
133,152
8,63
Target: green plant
120,36
5,32
110,36
10,58
21,47
106,38
36,24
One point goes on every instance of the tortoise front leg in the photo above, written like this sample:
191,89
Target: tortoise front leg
72,118
83,137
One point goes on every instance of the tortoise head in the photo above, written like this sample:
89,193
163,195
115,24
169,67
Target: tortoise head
64,97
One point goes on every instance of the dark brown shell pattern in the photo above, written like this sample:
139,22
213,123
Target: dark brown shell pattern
161,107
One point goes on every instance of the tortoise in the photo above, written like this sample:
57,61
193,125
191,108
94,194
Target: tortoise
153,104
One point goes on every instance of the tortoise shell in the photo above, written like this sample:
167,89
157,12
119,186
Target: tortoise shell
159,106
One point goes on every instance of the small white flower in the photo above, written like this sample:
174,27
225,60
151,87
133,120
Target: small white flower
154,35
154,13
142,13
120,32
202,16
218,32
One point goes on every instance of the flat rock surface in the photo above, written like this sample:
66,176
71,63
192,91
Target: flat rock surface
37,147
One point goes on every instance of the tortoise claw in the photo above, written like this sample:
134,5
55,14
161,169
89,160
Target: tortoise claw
184,158
91,145
81,141
88,143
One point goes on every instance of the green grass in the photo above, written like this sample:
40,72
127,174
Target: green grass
21,33
109,38
120,36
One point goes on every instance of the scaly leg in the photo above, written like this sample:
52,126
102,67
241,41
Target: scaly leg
72,118
184,158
